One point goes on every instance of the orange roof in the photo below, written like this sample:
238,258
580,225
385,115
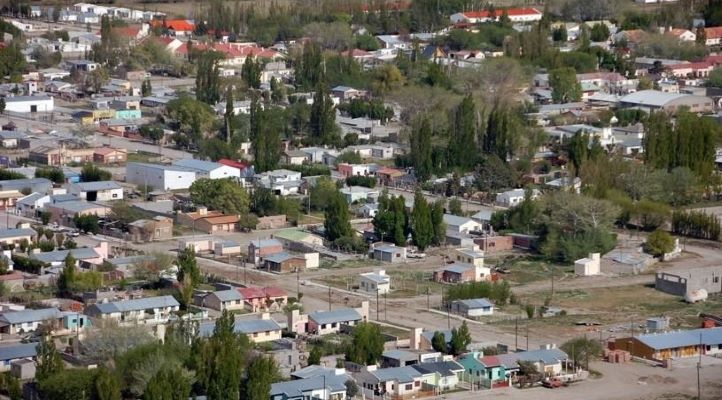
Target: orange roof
223,219
356,53
127,31
714,32
209,214
693,66
178,25
12,276
512,12
634,35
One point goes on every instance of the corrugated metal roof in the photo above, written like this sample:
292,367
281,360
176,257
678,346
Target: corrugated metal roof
443,368
279,257
301,388
200,165
655,98
261,243
242,326
458,268
137,304
398,374
8,233
81,253
476,303
456,220
341,315
670,340
95,186
547,356
18,317
21,350
227,295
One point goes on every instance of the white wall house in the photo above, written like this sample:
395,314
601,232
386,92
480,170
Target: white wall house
208,169
511,198
458,224
375,282
29,104
587,266
97,191
149,310
160,177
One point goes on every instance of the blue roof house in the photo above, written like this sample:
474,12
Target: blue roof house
147,310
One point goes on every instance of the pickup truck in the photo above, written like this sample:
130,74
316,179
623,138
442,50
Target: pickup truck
553,383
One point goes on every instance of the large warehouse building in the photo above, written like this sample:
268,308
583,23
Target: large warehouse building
655,100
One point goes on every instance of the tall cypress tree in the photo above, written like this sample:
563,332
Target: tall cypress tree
462,152
422,229
323,115
421,150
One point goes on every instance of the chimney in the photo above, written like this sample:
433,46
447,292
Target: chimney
293,318
415,339
202,211
364,311
265,316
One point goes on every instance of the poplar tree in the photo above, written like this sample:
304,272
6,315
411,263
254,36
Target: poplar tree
323,116
421,150
464,129
422,230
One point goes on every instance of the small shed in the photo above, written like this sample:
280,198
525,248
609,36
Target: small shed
472,307
389,253
226,248
375,282
588,266
23,369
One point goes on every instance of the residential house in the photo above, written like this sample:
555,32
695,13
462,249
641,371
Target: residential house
713,36
208,169
357,169
298,238
472,307
24,321
468,255
282,182
9,139
12,353
514,14
261,248
390,176
345,93
267,298
458,224
354,194
295,157
226,248
63,212
389,253
29,205
440,376
673,345
284,262
148,310
376,282
210,222
83,255
484,370
683,281
654,100
514,197
158,228
257,330
108,155
681,35
97,191
57,156
548,361
10,236
461,272
160,177
402,358
221,300
8,198
327,322
322,387
399,382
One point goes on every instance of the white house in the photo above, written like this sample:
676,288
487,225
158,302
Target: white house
281,181
511,198
30,204
29,104
24,321
97,191
375,282
209,169
148,310
514,14
472,307
159,177
590,265
468,255
458,224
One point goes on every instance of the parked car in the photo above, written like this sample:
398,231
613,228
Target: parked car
553,383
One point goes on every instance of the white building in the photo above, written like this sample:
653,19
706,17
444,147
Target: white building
97,191
375,282
511,198
514,14
458,224
209,169
590,265
159,177
149,310
472,307
29,104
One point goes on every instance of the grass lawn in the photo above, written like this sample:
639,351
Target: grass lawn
142,156
528,269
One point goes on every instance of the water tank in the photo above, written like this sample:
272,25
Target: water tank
695,296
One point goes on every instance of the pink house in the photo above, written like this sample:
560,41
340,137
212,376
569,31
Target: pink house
263,298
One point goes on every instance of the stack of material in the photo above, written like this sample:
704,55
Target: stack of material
617,356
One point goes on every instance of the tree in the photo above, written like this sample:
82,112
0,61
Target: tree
714,80
4,265
70,384
146,89
251,72
659,243
367,344
386,78
351,388
97,78
87,223
314,357
261,373
582,349
565,87
438,342
337,220
422,229
207,77
578,150
154,132
91,173
56,175
464,130
264,136
15,390
67,278
321,193
168,384
107,385
599,33
2,105
49,361
323,116
278,90
455,207
559,34
460,339
192,117
188,266
421,150
224,195
437,221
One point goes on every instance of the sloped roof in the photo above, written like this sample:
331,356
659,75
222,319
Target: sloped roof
95,186
476,303
457,267
136,304
547,356
20,350
443,368
81,253
227,295
10,233
200,165
18,317
399,374
661,341
329,317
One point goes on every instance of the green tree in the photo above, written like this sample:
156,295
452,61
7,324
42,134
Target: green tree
323,116
278,90
321,193
15,390
599,33
67,278
560,34
224,195
437,221
460,339
251,72
146,89
56,175
168,384
87,223
262,372
659,243
91,173
70,384
188,266
422,229
151,131
337,220
367,344
582,349
2,105
565,87
314,357
438,342
421,150
208,88
107,385
455,207
464,130
578,150
190,116
49,361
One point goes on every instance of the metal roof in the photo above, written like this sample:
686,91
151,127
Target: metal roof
99,185
456,267
227,295
200,165
312,371
81,253
547,356
242,326
476,303
20,350
671,340
400,355
443,368
399,374
456,220
378,278
161,167
341,315
77,206
265,243
18,317
145,303
31,198
653,98
279,257
9,233
301,388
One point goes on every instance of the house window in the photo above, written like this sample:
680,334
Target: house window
417,383
715,279
409,387
115,195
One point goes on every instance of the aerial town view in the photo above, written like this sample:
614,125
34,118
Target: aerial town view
360,199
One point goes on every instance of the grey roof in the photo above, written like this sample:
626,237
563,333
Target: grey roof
95,186
378,278
31,198
476,303
653,98
546,356
242,326
77,206
670,340
279,257
443,368
399,374
162,167
456,220
456,267
81,253
300,388
18,317
200,165
12,135
265,243
130,260
136,304
400,355
483,215
387,248
312,371
471,252
430,334
60,198
32,183
20,350
18,99
227,295
342,88
329,317
8,233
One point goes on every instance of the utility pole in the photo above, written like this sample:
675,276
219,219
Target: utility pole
527,336
516,334
552,269
428,300
377,304
298,282
329,298
699,366
385,318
